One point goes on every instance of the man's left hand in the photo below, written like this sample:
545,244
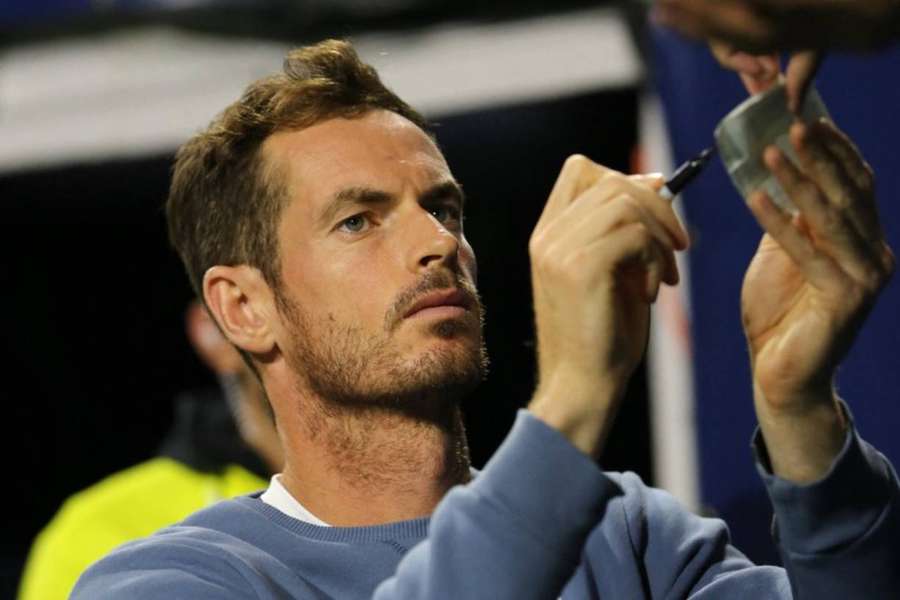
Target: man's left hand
807,292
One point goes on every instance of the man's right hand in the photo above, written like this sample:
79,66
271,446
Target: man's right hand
602,247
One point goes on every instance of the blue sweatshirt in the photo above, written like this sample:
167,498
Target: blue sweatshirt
540,521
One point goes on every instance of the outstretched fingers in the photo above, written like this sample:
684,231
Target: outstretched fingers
846,180
830,207
786,229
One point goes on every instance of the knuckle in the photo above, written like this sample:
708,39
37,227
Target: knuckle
872,280
642,235
631,208
867,180
611,182
578,163
807,189
832,219
542,258
567,270
550,261
536,244
888,261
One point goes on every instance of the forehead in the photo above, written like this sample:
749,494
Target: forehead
381,149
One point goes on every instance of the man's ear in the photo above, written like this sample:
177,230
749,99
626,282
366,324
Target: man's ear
211,346
241,303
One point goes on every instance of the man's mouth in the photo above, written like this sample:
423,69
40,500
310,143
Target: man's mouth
453,302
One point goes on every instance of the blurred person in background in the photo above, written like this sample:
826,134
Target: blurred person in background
222,444
324,230
746,33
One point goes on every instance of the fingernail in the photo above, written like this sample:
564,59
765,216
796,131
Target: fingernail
648,178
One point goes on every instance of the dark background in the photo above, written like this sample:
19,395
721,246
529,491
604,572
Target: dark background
94,348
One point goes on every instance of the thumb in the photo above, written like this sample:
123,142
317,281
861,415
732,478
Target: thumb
801,70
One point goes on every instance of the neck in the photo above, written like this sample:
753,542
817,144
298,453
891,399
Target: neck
366,466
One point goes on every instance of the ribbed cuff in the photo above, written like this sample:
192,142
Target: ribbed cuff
836,510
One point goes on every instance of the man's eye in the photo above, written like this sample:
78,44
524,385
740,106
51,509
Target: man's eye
445,214
354,224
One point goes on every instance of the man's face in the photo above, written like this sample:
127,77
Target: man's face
378,300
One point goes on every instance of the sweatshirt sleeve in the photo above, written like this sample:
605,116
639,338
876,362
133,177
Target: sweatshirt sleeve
839,537
515,532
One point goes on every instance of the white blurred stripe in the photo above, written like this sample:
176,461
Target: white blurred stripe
145,91
670,374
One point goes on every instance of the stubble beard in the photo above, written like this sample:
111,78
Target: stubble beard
351,371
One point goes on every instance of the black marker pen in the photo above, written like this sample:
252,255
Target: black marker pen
686,173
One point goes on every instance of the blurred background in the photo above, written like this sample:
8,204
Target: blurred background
95,96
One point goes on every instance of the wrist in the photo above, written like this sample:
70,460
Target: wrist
773,397
581,410
802,437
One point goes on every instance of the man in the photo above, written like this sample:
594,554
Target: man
324,230
741,30
220,446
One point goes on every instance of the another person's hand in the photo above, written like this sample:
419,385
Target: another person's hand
759,72
599,253
807,292
761,26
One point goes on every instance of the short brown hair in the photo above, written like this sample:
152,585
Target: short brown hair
224,202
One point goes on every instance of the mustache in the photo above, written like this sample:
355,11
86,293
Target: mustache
431,282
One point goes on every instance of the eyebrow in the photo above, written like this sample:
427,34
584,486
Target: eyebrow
369,196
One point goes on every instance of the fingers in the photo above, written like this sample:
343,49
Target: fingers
757,72
616,203
818,269
622,212
578,174
736,21
834,233
583,235
638,259
640,202
845,178
801,70
655,181
847,154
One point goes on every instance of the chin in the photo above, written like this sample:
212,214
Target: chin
460,328
457,359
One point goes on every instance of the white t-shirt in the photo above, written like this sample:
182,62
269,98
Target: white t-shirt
278,497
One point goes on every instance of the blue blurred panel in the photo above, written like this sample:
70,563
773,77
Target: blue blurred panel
862,94
27,12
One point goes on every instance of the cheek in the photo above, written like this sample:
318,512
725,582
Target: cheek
354,286
467,259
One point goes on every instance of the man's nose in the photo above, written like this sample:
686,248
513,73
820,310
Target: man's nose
431,242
